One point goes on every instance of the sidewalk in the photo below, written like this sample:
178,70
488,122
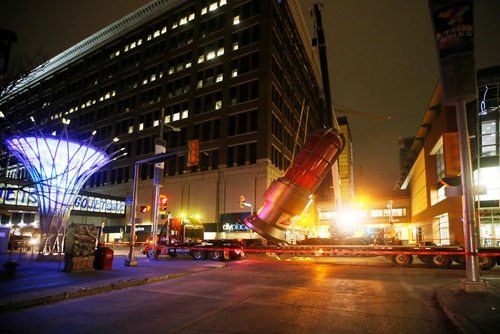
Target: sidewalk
472,312
38,283
42,282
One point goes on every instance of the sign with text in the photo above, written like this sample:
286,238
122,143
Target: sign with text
27,196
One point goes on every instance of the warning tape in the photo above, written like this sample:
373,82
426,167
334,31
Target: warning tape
332,251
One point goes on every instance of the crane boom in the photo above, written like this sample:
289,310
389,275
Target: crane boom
324,66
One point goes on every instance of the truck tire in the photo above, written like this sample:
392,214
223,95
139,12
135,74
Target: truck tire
402,260
487,262
216,255
172,252
441,261
234,256
199,254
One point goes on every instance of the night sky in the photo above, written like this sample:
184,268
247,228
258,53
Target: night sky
382,61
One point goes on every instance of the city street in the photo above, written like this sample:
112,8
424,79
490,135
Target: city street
260,295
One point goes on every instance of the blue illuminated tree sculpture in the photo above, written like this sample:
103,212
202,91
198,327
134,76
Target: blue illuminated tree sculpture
59,167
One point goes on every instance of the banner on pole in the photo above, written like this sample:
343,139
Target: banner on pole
454,36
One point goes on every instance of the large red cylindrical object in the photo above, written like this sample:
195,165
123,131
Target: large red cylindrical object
288,196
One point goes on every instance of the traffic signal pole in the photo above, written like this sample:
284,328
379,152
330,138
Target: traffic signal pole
160,147
130,262
154,159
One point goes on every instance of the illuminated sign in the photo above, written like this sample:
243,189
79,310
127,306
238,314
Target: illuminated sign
233,222
235,227
10,195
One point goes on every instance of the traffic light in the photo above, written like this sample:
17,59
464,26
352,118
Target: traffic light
193,152
145,208
163,202
242,201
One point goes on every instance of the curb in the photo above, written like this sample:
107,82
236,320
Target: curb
461,321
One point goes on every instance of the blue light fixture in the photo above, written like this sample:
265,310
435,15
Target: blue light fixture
59,167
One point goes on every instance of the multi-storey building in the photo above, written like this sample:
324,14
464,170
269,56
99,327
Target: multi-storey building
434,164
233,74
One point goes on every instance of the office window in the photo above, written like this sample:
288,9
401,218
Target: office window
276,157
208,102
244,92
207,131
245,64
241,123
246,37
212,25
209,76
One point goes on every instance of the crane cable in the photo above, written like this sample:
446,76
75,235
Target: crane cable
298,130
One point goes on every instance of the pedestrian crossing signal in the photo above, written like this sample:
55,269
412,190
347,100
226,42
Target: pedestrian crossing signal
145,208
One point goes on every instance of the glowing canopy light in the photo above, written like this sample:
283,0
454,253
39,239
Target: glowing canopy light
59,168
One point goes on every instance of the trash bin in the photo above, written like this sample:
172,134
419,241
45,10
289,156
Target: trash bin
103,258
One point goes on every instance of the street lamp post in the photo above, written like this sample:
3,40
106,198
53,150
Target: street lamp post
160,147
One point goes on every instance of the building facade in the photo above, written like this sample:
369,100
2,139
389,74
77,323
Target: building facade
433,165
236,75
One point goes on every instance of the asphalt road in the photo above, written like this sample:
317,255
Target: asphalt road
366,295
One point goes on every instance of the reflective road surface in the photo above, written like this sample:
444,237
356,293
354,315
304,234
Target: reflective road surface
259,294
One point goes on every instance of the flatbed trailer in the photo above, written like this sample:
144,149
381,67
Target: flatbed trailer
216,250
402,256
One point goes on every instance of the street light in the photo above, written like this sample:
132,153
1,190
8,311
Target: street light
173,128
248,205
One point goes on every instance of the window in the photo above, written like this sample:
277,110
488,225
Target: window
440,163
242,123
489,137
208,102
209,76
245,64
207,131
276,157
212,25
244,92
444,229
242,154
246,37
211,51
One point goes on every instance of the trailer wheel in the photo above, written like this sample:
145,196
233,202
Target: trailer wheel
199,254
234,256
487,262
402,260
216,255
172,252
442,261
